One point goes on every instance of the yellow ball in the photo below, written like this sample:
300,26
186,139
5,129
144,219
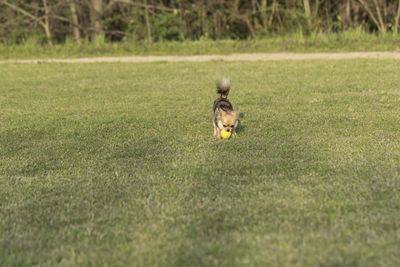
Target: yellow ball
225,134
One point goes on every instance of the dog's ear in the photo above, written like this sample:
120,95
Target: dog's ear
236,113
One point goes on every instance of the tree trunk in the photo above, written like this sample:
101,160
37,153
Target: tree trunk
356,13
396,20
183,18
271,17
264,17
235,14
216,25
374,19
316,8
97,25
307,10
348,13
75,22
378,10
203,16
148,26
46,23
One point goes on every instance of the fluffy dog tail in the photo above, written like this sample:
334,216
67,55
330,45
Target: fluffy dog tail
223,87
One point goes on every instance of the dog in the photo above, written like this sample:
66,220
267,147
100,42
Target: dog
224,114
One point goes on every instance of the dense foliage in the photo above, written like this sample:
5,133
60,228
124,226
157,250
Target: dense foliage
57,21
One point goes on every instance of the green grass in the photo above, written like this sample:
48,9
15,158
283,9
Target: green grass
115,164
351,40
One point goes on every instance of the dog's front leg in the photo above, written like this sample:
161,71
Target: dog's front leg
218,133
233,132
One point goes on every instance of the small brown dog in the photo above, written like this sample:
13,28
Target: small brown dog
224,114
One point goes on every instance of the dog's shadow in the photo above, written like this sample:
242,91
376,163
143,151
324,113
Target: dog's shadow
241,127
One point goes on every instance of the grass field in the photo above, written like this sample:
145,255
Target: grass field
115,164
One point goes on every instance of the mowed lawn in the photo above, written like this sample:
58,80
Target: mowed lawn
115,164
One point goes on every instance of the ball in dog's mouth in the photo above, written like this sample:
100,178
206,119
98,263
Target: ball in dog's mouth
225,134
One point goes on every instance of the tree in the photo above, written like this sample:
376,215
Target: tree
75,21
96,7
154,20
42,20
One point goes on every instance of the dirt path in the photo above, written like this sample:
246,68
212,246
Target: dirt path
232,57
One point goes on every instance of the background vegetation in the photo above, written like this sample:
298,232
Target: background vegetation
56,21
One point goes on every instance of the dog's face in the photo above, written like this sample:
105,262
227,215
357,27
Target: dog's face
227,120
